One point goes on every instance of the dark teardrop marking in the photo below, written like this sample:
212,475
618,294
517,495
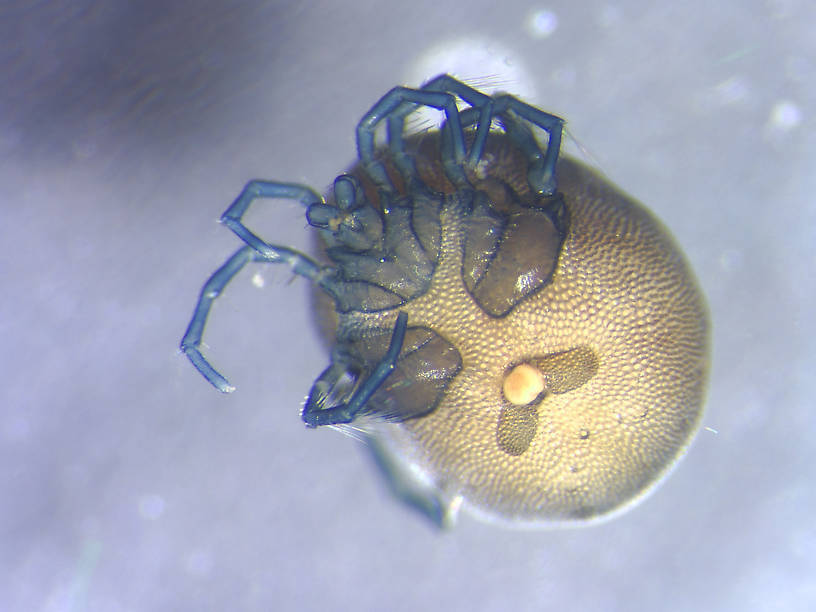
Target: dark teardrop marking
524,261
425,367
516,428
568,370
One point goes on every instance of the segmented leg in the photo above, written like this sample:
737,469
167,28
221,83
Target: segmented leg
384,109
256,251
255,190
479,102
315,413
374,254
541,173
441,92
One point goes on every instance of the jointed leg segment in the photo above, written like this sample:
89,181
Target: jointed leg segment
356,227
441,93
256,251
316,414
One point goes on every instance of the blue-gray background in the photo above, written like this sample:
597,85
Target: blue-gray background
126,128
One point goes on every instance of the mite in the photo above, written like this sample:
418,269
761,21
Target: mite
512,333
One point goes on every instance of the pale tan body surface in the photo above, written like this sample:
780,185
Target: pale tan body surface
613,349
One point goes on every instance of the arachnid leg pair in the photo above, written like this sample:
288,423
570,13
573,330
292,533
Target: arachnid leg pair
382,258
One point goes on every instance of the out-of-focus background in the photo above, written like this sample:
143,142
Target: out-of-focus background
126,128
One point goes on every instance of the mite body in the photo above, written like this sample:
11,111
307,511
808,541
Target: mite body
523,336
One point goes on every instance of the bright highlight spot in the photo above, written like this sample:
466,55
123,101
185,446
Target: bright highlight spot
785,116
542,23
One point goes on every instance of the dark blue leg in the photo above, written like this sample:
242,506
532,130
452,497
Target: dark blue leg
441,92
446,84
507,109
315,413
191,342
384,109
453,138
263,189
477,100
256,251
541,173
192,337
